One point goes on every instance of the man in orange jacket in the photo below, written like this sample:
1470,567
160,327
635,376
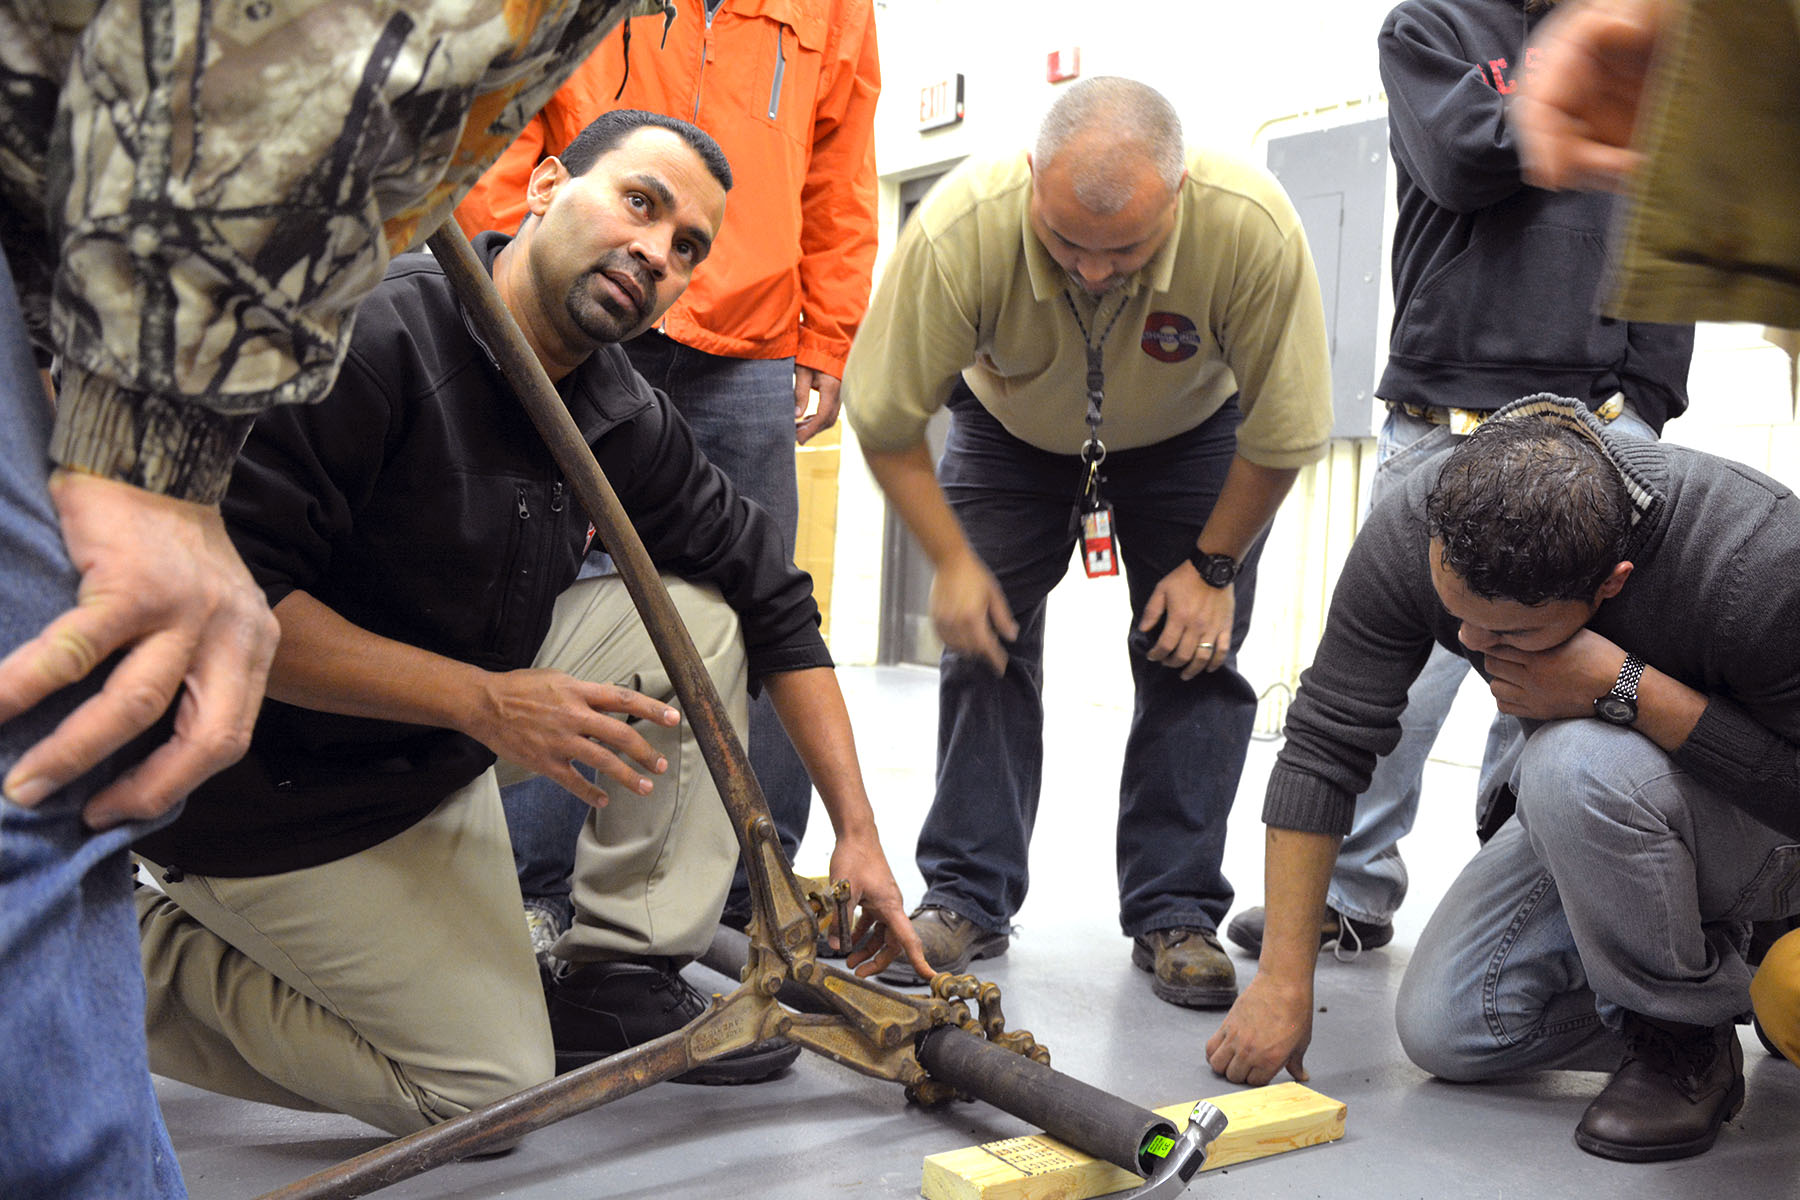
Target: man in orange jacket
788,89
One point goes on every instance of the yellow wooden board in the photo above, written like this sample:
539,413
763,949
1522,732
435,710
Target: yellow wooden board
815,543
1262,1121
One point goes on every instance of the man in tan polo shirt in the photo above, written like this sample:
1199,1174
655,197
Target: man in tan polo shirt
1130,339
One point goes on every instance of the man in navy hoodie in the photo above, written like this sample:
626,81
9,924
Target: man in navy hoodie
1495,291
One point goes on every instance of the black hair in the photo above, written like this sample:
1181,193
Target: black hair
606,131
1530,510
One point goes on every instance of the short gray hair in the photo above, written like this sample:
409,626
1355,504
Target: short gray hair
1139,123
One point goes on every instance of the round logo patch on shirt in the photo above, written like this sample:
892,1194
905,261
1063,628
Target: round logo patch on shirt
1170,337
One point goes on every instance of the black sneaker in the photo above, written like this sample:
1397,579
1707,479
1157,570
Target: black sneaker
1346,936
600,1009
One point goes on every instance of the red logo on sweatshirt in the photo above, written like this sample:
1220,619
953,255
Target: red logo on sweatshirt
1497,72
1170,337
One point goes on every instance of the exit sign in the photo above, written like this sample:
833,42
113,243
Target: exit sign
941,102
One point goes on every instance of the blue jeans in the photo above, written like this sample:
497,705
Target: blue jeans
78,1116
1369,881
1187,742
1621,883
742,414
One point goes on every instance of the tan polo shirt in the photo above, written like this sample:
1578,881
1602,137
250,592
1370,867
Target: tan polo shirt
1229,304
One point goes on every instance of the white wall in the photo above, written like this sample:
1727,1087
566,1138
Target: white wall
1229,69
1237,73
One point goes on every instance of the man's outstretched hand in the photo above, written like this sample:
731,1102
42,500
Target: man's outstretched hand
1268,1028
883,933
161,583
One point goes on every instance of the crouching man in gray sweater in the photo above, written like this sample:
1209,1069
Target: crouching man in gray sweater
1633,603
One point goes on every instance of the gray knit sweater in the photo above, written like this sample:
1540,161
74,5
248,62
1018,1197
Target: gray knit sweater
1713,601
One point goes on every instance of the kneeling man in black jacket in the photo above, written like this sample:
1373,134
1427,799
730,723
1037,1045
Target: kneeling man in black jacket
340,926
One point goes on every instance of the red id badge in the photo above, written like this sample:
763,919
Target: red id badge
1098,551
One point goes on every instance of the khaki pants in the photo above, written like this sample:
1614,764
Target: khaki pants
651,872
396,985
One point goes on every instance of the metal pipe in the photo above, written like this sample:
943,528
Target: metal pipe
1099,1123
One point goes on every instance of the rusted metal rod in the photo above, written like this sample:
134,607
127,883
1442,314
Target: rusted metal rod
700,701
498,1125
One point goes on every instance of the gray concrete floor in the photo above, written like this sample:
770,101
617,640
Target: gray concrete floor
823,1131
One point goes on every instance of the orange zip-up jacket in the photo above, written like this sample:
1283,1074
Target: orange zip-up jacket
788,89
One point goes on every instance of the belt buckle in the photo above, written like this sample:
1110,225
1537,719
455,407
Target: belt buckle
1462,421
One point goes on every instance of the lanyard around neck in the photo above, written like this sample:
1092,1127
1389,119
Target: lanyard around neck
1093,451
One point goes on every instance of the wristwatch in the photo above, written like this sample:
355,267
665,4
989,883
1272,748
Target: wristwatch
1216,569
1619,706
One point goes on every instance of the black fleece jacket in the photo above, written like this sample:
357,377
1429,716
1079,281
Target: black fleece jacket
418,502
1496,283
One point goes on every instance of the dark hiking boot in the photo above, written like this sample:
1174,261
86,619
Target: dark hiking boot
1187,967
1677,1086
951,942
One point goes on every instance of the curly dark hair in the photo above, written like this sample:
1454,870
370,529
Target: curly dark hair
1530,511
607,130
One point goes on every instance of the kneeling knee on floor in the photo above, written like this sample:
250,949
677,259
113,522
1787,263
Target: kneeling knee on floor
443,1094
1429,1042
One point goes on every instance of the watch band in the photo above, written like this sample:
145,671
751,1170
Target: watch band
1625,687
1218,570
1619,706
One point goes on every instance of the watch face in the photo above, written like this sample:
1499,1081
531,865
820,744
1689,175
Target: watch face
1616,709
1215,569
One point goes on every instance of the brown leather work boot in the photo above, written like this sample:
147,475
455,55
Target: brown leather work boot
1187,967
951,942
1677,1086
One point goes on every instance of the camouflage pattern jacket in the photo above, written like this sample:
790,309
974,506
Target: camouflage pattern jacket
194,196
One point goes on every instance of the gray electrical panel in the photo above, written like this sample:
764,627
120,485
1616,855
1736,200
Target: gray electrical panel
1337,179
905,633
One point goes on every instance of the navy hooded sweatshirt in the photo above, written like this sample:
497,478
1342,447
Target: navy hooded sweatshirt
1495,282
